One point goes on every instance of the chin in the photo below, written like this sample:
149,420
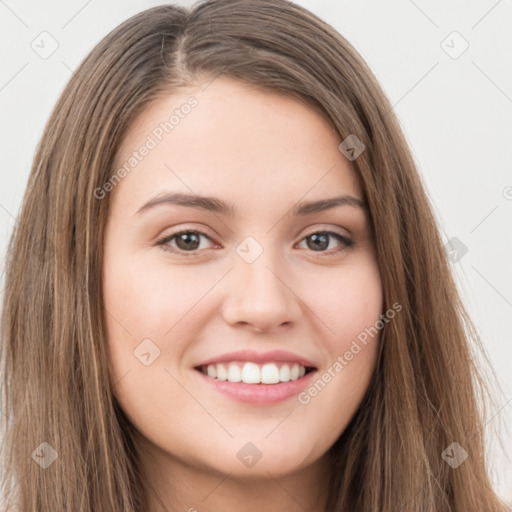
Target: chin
257,460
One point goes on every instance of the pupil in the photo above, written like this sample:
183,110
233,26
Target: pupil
186,238
317,237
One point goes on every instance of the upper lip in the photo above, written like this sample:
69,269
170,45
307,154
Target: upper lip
259,357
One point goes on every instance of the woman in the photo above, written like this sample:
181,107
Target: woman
174,338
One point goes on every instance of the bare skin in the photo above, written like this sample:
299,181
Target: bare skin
262,153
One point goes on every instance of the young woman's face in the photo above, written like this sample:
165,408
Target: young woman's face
248,274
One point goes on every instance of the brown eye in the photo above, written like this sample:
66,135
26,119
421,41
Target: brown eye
185,241
319,241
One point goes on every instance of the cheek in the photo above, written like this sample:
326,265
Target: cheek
151,301
347,301
148,332
151,309
350,305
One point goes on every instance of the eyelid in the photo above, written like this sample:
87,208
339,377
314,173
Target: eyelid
184,228
327,228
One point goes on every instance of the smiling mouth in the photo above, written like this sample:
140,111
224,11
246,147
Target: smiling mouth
254,373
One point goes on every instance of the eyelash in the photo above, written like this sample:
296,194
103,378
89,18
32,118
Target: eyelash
162,242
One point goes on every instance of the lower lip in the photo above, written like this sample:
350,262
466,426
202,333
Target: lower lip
259,393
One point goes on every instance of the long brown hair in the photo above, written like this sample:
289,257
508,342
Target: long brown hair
67,445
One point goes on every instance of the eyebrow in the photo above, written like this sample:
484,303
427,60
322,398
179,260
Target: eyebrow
214,204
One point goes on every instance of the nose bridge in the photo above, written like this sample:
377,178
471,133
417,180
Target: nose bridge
261,296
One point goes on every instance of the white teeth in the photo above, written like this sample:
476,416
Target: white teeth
222,373
252,373
284,373
234,373
269,374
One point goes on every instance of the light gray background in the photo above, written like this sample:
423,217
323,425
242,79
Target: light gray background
456,114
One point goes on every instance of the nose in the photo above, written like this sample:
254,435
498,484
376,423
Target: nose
260,296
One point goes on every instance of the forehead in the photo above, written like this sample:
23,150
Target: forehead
237,141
